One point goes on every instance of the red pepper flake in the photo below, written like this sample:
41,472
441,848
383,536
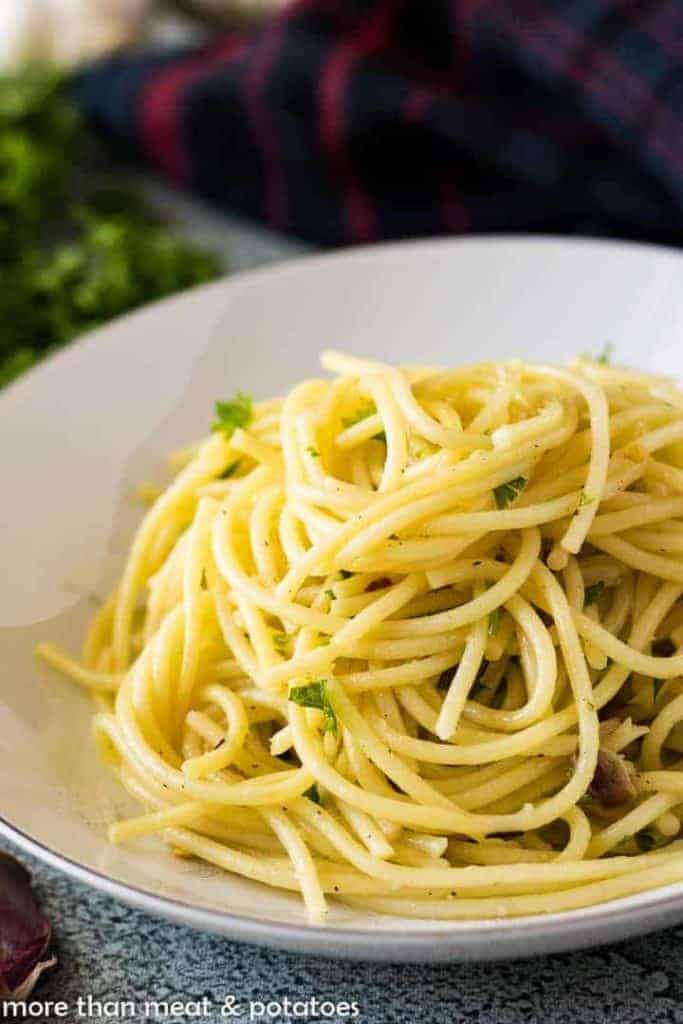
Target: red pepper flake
379,584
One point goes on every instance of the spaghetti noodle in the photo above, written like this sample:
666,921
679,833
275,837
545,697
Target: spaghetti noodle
411,638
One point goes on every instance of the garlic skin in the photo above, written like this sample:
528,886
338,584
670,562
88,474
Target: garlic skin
25,932
23,991
67,32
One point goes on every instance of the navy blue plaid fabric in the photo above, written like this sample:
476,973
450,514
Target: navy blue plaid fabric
354,120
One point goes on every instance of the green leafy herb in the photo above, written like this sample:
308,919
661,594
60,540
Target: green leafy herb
505,493
314,695
362,413
66,268
494,621
230,415
647,840
593,593
313,452
15,363
604,357
330,594
312,794
230,470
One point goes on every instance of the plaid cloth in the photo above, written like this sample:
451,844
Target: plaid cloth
354,120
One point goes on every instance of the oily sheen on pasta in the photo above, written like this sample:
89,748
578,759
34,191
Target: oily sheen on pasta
411,639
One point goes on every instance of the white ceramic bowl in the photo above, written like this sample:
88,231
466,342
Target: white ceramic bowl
78,432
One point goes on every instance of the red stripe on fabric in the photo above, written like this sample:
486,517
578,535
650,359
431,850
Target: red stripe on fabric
663,25
625,95
159,119
454,214
416,106
464,15
360,213
262,62
612,82
261,123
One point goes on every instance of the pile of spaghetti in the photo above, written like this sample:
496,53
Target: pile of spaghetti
410,638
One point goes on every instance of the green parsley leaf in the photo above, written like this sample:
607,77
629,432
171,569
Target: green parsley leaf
593,592
494,621
646,841
230,470
330,594
16,363
312,794
117,255
314,695
505,493
605,356
313,452
238,412
362,413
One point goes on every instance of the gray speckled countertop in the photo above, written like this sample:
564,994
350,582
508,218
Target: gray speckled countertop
112,953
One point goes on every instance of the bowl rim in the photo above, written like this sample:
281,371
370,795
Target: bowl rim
485,939
457,940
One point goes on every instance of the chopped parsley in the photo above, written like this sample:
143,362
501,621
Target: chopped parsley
505,493
314,695
593,593
604,357
238,412
494,621
362,413
75,250
313,452
648,839
230,470
645,841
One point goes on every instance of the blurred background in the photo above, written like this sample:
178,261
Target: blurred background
150,145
